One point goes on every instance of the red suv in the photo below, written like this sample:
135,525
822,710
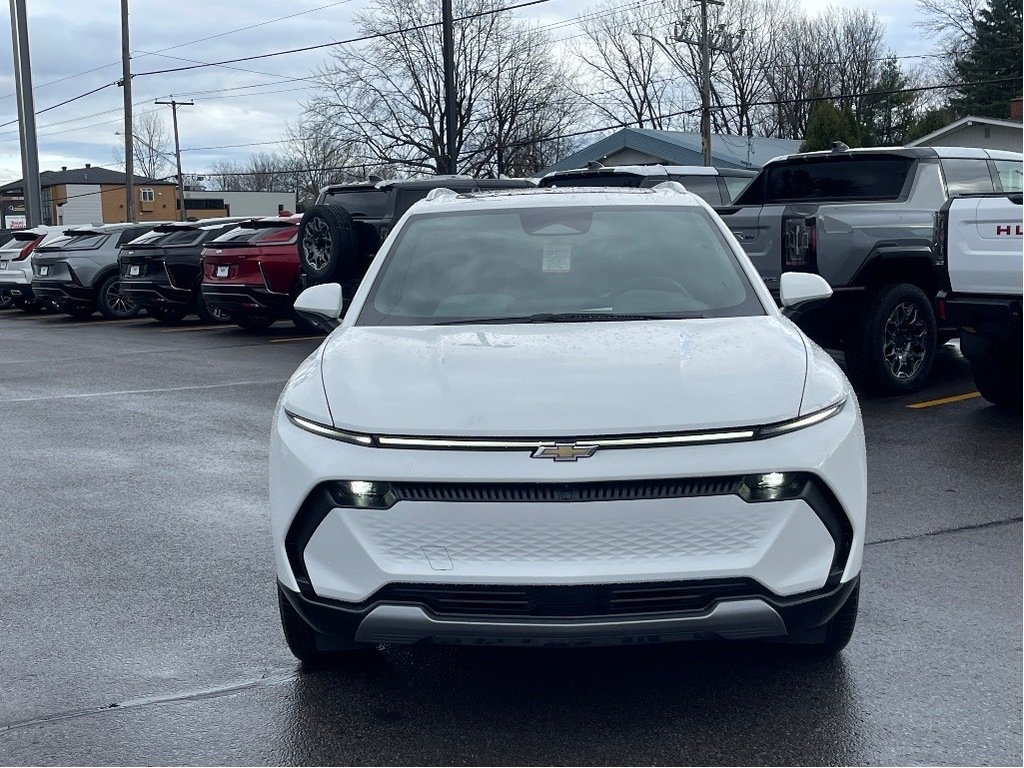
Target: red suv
252,272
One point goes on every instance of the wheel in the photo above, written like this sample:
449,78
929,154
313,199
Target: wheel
208,313
111,304
998,375
328,245
891,348
167,315
308,645
835,635
252,322
6,300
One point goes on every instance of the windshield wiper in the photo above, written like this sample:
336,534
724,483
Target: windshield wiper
572,317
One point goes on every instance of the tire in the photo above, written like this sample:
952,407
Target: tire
836,634
6,300
328,245
891,349
111,304
252,322
998,375
302,639
167,315
210,314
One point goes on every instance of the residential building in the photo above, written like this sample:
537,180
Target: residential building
645,146
979,132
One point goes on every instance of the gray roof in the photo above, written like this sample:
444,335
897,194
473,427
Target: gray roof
93,175
681,148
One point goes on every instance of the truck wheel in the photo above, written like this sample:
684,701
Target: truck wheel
891,349
328,245
998,375
112,304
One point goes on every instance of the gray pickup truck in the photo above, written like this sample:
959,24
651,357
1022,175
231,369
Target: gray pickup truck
863,219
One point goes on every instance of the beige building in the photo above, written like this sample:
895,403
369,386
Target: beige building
978,132
92,195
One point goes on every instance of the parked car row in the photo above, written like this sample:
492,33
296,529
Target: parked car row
120,270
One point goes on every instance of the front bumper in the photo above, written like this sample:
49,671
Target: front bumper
729,610
247,298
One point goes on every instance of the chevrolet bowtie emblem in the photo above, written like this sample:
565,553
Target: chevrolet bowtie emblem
565,451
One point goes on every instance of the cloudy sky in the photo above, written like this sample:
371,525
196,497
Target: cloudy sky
76,47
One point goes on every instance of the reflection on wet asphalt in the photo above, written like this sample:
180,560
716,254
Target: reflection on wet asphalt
139,622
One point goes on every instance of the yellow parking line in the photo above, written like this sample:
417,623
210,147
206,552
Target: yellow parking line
193,328
946,400
295,338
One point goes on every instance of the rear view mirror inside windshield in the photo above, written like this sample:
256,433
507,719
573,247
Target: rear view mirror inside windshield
556,221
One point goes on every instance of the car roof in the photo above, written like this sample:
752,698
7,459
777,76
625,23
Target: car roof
428,182
653,170
964,153
670,193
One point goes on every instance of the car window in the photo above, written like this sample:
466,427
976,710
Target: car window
705,187
368,203
650,260
965,176
596,180
827,178
735,185
1010,175
83,242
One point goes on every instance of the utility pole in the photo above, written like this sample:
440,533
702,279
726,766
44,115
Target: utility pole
26,116
177,148
129,145
722,42
448,54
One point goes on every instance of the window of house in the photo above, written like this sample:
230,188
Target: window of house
146,195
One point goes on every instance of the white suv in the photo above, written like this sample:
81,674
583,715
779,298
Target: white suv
16,264
565,417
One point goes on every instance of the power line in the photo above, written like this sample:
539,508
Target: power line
361,39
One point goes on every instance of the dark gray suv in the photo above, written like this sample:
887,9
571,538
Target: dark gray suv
78,272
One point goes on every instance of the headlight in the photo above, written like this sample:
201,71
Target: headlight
802,422
362,494
325,431
772,486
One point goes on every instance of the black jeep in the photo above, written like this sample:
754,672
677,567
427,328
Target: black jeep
339,236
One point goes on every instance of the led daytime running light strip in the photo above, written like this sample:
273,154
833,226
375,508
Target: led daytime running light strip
649,441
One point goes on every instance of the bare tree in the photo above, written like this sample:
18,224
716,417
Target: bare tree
153,148
952,24
262,172
386,99
628,81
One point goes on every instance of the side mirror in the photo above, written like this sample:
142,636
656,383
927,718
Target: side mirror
321,305
802,287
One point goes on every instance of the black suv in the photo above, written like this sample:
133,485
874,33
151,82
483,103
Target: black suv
718,186
162,270
340,234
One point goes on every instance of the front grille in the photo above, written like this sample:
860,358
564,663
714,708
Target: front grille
577,601
615,490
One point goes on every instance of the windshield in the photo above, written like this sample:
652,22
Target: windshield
558,264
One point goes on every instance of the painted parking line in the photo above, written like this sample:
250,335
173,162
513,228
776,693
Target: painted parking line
193,328
158,390
945,400
295,338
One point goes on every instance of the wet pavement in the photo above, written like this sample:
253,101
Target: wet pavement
138,623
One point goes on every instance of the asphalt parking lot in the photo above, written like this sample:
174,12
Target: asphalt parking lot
138,623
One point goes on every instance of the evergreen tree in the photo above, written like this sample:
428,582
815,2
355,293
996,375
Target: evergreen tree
995,55
929,121
828,123
886,119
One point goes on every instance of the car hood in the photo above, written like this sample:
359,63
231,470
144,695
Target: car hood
565,379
